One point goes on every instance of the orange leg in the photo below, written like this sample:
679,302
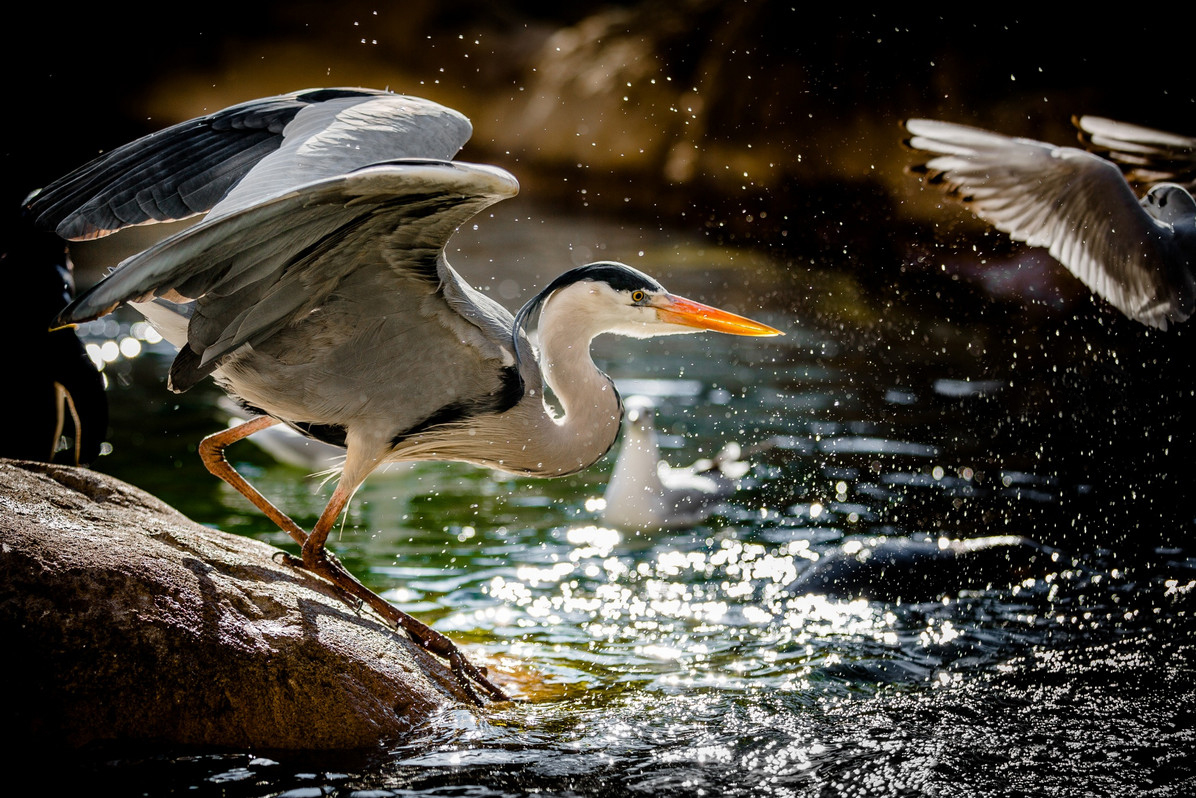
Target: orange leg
320,561
313,547
211,450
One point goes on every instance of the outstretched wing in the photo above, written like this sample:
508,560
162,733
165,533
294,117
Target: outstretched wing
1146,155
252,150
1073,203
254,272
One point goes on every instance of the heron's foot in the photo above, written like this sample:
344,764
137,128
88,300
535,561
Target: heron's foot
355,593
286,558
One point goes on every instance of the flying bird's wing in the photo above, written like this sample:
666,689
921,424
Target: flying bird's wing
1073,203
1146,156
253,150
253,272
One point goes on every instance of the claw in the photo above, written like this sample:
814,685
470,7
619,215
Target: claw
287,559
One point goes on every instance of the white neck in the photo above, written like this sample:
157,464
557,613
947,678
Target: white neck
530,438
590,409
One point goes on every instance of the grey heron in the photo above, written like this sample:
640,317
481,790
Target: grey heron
645,492
1139,255
316,293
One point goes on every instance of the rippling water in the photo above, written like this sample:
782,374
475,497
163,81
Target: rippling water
683,662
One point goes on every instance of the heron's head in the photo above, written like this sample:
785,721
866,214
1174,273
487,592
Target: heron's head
1169,203
611,297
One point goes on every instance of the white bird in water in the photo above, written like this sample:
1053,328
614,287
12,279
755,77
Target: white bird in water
316,293
1139,255
644,492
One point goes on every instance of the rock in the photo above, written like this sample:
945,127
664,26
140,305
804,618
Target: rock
124,620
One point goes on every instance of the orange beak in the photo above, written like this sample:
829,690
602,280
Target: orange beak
686,312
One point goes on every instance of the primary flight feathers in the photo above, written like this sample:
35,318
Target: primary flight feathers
1138,254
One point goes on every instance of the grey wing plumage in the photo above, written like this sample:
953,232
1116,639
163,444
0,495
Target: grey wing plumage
191,167
1075,204
253,272
1146,155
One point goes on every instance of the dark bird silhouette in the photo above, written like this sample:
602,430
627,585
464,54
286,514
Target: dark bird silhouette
55,399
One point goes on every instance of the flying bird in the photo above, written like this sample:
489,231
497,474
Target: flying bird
645,492
1138,254
315,291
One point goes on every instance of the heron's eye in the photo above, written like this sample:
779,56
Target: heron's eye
637,296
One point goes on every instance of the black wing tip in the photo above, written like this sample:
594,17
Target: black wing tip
37,211
408,162
66,319
325,94
71,315
186,370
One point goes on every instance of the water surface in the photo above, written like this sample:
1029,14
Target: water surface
681,662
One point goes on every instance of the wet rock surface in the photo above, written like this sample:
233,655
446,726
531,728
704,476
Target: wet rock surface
124,620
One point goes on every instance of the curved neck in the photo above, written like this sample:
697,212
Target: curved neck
590,407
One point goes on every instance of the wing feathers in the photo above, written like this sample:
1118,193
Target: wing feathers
256,271
1073,203
1146,155
192,167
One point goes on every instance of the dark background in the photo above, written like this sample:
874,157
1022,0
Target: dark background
807,101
